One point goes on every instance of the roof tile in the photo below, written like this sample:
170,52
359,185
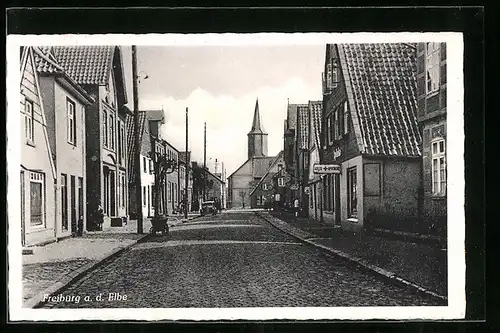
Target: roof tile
383,79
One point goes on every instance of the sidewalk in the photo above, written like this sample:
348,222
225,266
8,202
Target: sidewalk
420,266
54,265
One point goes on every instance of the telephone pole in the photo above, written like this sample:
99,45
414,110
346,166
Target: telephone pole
205,162
137,170
186,175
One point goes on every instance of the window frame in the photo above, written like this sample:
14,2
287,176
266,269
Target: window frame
71,121
438,156
105,128
352,183
432,67
29,118
281,182
38,178
112,131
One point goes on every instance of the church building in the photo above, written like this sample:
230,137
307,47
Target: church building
247,176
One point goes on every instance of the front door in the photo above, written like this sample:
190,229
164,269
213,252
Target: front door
337,198
73,204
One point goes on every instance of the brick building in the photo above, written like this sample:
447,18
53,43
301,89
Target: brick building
370,132
431,96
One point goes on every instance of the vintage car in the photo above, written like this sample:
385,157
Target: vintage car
208,207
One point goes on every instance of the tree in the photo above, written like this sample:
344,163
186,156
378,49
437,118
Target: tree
199,183
162,166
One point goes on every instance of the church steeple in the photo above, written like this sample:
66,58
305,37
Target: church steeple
257,137
257,127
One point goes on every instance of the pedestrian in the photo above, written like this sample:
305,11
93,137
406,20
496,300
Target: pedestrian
296,207
100,217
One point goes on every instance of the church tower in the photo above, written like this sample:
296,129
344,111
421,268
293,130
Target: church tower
257,137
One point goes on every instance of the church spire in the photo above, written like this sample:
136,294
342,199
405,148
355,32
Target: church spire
257,127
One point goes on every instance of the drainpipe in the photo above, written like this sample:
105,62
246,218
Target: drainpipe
55,210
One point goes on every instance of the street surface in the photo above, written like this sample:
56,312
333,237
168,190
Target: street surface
229,260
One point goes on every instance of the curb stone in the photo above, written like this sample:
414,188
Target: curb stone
59,286
361,263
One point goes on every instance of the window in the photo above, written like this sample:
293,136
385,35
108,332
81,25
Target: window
331,129
352,199
37,198
335,73
281,182
169,192
340,121
280,167
438,167
120,146
144,165
144,196
64,201
346,118
432,59
112,131
29,120
123,145
264,186
151,168
70,108
105,128
124,192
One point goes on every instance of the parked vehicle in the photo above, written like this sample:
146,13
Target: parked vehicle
208,207
159,224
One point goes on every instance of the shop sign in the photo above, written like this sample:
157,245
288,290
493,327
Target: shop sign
326,168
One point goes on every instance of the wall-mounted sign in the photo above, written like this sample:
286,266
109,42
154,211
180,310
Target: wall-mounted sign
326,168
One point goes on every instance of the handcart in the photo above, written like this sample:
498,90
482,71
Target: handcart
159,224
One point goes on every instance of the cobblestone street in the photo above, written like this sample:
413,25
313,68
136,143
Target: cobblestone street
230,260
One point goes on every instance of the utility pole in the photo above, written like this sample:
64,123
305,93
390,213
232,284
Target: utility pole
137,171
186,175
205,162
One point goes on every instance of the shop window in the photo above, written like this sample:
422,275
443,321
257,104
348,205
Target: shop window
438,167
352,193
37,198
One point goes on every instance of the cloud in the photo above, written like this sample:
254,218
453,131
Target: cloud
228,119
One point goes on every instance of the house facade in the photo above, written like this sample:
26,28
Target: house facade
263,194
314,181
216,191
99,70
38,174
370,134
171,198
65,104
302,153
431,90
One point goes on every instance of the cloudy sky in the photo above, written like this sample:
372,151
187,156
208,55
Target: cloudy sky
219,85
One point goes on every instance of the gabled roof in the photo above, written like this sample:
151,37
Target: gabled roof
257,127
381,88
315,115
292,116
260,164
92,65
46,64
303,126
277,158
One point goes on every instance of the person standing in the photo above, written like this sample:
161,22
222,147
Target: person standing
296,207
